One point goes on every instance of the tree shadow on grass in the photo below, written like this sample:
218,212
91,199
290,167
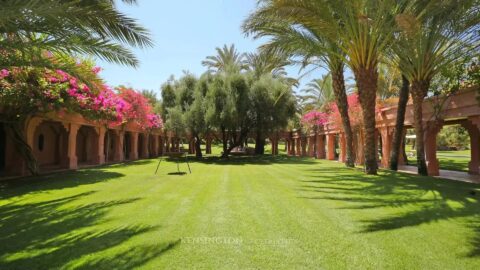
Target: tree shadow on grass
21,186
415,200
55,233
252,160
131,258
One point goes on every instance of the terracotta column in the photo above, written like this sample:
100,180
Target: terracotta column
101,145
343,155
331,146
72,146
310,146
430,141
119,141
160,145
296,147
473,131
304,146
320,146
289,148
401,157
146,149
155,146
133,145
386,133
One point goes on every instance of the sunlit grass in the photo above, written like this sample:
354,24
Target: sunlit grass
240,213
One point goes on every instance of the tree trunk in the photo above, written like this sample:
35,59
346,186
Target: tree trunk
419,91
107,149
259,144
20,142
198,148
342,104
225,142
236,141
398,132
367,91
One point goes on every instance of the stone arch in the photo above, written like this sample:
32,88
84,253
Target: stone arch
87,145
110,141
50,145
127,145
141,145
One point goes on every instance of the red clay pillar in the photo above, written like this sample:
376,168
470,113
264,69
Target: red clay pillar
101,145
119,140
160,145
430,141
155,146
310,146
72,146
386,133
320,147
303,142
133,145
298,146
473,131
342,157
331,146
145,149
401,157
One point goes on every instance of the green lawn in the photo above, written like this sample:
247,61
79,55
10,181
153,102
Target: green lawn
247,213
449,160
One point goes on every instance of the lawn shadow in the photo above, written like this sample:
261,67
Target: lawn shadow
177,173
416,200
20,186
252,160
131,258
52,234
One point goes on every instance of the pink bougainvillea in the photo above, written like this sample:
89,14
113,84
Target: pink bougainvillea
61,92
314,119
354,112
4,73
138,109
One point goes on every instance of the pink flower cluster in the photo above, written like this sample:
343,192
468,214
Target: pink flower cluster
138,109
314,119
4,73
354,111
61,92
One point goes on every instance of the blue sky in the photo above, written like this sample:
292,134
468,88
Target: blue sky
184,32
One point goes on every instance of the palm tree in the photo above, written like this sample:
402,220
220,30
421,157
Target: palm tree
262,63
29,29
228,59
318,93
433,35
399,123
354,32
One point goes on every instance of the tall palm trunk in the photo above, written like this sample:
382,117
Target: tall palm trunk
338,81
398,133
366,79
419,91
